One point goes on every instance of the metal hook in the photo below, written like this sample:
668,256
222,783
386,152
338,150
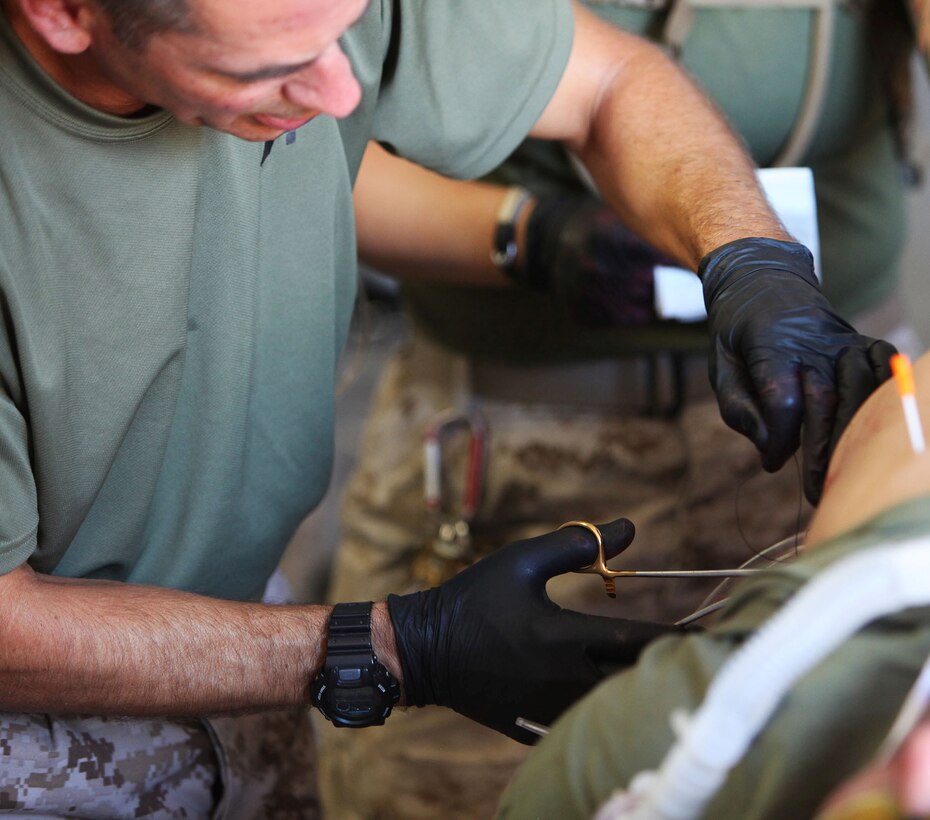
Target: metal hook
439,427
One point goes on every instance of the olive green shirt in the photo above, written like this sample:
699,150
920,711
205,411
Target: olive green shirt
172,307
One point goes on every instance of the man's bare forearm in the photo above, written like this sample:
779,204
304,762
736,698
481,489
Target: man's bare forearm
415,224
103,647
661,155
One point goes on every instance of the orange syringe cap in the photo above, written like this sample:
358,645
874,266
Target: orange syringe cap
903,374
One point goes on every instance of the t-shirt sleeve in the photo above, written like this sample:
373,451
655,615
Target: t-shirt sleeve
464,81
19,518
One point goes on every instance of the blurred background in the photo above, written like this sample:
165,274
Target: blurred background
917,257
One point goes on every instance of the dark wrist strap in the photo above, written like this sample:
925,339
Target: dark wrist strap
349,639
504,245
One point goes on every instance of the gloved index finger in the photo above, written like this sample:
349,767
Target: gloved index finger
736,398
781,397
574,546
820,420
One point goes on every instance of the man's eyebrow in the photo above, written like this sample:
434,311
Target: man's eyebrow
267,72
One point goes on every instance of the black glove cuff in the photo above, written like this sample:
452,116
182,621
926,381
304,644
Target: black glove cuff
414,634
543,231
732,261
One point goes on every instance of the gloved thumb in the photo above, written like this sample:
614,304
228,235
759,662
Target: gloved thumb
575,547
880,354
858,373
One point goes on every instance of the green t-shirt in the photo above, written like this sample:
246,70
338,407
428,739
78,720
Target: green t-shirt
172,308
754,64
827,726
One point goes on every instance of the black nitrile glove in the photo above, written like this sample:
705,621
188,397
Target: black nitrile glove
577,248
780,356
491,645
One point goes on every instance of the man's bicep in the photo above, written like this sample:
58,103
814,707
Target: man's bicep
599,53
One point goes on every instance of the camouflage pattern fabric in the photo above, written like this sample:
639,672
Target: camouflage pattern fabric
231,768
679,480
99,767
268,766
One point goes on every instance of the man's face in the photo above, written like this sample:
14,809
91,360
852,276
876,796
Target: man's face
254,68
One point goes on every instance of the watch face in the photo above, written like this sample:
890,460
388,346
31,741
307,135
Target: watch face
355,696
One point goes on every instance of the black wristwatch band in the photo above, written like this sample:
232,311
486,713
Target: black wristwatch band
349,637
353,689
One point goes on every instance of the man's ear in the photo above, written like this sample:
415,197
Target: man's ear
64,24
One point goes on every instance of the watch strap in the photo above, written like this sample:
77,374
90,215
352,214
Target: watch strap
504,245
349,638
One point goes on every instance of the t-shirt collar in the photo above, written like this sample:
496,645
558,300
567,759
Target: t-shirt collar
35,89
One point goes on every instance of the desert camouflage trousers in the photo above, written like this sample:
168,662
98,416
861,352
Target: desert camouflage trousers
245,767
691,486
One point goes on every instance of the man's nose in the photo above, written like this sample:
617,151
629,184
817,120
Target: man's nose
327,86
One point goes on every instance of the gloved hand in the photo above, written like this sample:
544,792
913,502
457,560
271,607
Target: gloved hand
490,644
577,248
780,356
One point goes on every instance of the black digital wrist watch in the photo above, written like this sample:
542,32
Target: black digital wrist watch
353,689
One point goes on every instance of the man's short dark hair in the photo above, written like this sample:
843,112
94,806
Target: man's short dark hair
134,21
